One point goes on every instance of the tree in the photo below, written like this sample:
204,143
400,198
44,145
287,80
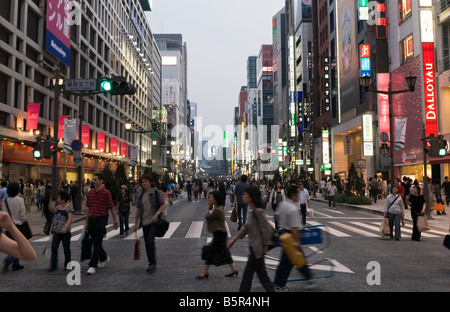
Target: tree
121,175
352,181
110,182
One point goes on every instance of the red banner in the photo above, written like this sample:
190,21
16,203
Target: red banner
61,126
85,134
113,145
123,148
383,104
101,141
429,85
33,115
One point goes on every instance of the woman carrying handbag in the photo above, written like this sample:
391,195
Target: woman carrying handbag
260,233
394,211
217,253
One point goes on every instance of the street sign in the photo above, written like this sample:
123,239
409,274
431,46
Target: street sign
361,164
76,145
77,159
81,85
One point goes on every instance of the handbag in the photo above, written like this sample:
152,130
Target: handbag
422,224
447,241
162,225
233,217
24,228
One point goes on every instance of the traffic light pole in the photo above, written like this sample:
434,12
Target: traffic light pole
55,134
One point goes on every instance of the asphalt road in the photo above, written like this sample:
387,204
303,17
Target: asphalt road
352,258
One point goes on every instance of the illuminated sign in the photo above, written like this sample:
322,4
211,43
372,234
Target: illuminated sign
367,129
363,12
326,82
426,26
365,64
381,20
383,103
364,50
325,146
429,85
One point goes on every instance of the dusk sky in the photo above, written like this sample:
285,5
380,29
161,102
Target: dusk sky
220,35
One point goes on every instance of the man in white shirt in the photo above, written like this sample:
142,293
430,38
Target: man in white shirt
323,186
289,221
332,192
303,201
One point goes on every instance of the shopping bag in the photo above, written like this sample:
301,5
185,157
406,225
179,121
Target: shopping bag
294,255
447,241
233,217
47,252
439,207
422,224
384,228
137,250
86,247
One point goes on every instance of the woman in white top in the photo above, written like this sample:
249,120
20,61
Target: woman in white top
394,211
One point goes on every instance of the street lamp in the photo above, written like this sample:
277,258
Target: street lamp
128,127
411,81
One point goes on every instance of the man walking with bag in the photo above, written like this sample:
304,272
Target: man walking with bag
289,222
99,203
150,205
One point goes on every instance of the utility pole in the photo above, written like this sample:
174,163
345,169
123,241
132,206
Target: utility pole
55,133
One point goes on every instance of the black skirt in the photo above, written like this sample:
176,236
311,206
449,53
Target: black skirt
217,252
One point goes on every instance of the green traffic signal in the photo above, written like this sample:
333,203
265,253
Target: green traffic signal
106,86
37,154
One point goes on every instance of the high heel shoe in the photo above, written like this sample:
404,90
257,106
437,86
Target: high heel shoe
203,276
232,274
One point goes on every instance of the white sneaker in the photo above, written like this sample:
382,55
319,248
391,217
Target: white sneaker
102,264
91,271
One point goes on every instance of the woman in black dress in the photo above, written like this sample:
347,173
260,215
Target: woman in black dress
417,207
217,253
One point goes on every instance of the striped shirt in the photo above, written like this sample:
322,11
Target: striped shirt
99,202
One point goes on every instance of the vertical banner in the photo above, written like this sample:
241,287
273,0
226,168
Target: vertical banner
33,115
383,104
367,130
61,126
429,85
101,141
85,135
113,145
57,33
123,148
325,146
70,134
400,133
347,144
134,154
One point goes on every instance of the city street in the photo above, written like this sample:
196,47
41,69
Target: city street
351,241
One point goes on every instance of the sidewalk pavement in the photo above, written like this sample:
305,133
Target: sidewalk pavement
440,222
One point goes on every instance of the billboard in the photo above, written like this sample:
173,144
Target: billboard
57,33
347,55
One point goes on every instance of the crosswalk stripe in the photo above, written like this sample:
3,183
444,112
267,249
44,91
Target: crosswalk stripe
355,230
45,239
330,230
334,211
195,230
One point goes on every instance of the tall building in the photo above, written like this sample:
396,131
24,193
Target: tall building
104,39
174,88
251,72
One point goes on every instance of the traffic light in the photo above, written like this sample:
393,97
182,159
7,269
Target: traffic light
49,148
443,147
116,86
37,149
